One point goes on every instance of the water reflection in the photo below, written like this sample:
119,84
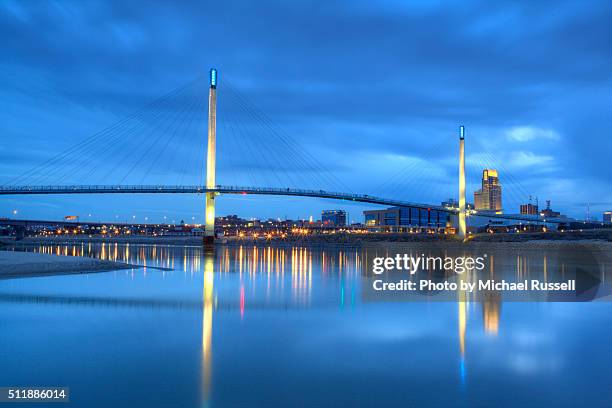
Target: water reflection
236,281
306,277
207,318
462,324
491,309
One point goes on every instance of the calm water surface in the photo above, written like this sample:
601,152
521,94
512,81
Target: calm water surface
289,327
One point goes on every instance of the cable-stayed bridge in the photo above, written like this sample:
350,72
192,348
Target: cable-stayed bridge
167,189
164,142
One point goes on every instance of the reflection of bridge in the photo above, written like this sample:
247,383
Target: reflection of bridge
139,303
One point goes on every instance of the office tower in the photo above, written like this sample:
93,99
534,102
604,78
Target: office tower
489,197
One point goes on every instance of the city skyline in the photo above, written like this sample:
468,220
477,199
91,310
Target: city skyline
533,122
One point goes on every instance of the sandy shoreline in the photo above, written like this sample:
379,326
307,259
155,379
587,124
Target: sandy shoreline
16,264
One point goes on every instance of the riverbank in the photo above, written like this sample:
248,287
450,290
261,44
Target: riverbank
121,239
341,240
327,240
15,264
585,235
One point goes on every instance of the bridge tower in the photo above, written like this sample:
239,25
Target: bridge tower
209,229
462,228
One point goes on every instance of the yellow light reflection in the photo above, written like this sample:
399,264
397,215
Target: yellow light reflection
207,315
462,323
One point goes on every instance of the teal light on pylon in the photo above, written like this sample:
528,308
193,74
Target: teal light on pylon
213,77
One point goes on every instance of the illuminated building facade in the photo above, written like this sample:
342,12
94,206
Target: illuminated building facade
402,219
607,216
489,197
333,218
530,209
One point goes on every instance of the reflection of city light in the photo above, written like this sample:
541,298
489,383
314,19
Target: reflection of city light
242,302
490,312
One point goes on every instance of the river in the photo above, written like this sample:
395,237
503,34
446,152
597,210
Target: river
279,327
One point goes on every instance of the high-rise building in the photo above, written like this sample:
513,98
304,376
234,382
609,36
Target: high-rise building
607,216
335,218
489,197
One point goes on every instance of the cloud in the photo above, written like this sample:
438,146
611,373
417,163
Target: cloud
527,159
530,133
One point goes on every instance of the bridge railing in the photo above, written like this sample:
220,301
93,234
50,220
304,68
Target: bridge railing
364,198
329,194
100,187
68,189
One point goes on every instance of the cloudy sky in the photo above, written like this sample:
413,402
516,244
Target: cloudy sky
374,91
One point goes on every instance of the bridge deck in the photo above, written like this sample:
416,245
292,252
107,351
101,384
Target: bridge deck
197,189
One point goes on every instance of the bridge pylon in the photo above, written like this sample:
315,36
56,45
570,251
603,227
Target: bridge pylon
462,228
209,229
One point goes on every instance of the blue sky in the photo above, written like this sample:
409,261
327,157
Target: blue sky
368,88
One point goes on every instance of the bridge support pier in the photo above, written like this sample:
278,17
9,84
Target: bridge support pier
209,229
462,227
